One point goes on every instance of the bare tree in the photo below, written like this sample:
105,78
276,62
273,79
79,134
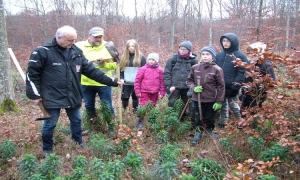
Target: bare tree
259,20
288,24
173,17
210,4
6,84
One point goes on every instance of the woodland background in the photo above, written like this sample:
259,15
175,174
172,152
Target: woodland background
268,146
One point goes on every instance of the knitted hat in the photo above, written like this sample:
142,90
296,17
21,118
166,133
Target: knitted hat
96,31
187,44
209,49
154,56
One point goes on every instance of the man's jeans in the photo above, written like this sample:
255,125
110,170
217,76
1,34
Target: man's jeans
89,95
74,115
224,114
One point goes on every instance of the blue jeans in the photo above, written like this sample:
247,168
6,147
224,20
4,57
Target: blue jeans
74,115
89,95
233,105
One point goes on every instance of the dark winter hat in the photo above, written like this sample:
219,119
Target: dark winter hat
209,49
154,56
96,31
187,44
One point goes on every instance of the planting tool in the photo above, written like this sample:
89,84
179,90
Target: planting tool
46,116
199,104
184,108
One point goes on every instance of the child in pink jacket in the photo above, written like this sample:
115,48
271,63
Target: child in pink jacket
149,83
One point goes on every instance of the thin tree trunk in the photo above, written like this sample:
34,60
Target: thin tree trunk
287,33
6,83
172,34
259,20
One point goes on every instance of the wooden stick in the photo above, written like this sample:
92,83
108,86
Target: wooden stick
12,55
183,110
119,95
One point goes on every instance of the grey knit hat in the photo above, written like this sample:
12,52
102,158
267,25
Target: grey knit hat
187,44
209,49
154,56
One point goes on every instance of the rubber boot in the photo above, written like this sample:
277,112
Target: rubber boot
140,126
135,104
213,134
197,138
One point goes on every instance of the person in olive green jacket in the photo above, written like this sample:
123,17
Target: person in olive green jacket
94,50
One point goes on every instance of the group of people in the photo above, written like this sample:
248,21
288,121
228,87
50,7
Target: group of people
61,73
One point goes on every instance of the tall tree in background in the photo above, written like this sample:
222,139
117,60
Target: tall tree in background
6,84
259,20
210,5
172,34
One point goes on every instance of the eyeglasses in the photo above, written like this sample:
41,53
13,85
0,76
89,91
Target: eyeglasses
183,49
98,36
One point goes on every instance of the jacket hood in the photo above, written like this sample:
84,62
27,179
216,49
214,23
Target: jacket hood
234,42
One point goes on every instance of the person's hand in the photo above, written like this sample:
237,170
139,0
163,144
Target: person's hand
172,89
99,62
138,95
160,96
36,100
198,89
217,106
122,81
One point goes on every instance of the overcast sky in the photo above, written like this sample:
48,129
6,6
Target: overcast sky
13,6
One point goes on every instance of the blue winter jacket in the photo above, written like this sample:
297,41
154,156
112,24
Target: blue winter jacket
233,76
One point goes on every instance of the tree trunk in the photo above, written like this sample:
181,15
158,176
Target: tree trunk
172,34
6,84
259,20
287,33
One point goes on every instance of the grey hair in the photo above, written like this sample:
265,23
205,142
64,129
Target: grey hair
65,29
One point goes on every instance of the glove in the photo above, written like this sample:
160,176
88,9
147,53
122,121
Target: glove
217,106
189,93
198,89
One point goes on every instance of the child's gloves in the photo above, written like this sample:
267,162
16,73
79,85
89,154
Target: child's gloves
189,93
217,106
198,89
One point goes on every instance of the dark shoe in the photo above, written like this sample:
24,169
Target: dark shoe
83,145
213,134
46,153
197,138
111,134
140,126
221,125
85,132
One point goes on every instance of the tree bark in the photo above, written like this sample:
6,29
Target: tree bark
259,20
6,84
172,34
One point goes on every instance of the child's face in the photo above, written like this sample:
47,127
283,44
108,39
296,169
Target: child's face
206,56
151,61
131,48
226,43
183,50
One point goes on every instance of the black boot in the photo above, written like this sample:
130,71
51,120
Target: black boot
140,126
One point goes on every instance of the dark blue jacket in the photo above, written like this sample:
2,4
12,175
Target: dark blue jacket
233,76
